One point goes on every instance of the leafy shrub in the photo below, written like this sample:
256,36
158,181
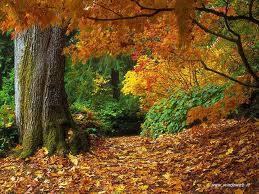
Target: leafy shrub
169,115
86,119
8,133
6,116
8,138
121,117
7,102
82,74
7,91
114,117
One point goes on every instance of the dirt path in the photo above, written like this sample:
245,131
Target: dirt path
222,160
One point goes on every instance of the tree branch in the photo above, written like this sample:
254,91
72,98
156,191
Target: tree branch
226,21
240,48
226,76
150,8
245,61
217,72
126,17
213,33
249,18
108,9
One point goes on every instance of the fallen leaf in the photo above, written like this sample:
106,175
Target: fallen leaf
238,191
230,151
73,159
143,187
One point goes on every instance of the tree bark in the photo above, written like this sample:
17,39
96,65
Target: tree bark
115,81
41,107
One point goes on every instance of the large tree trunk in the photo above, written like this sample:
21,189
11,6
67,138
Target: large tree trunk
41,107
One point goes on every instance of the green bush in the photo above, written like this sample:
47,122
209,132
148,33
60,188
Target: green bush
169,115
8,138
7,91
7,102
91,87
115,117
8,134
121,117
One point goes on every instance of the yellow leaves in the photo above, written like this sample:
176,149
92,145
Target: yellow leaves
73,159
216,171
120,188
142,150
167,176
39,174
152,79
45,151
205,185
143,187
99,82
133,84
238,191
63,184
184,10
138,165
229,151
9,167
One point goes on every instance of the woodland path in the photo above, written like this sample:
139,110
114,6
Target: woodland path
190,162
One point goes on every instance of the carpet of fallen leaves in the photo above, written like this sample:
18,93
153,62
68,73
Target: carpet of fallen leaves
217,159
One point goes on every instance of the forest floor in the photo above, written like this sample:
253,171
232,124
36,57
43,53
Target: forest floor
217,159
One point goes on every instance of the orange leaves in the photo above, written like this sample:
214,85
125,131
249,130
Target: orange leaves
154,78
187,162
184,10
21,15
234,96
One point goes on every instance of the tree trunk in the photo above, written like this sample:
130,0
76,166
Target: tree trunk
41,107
115,81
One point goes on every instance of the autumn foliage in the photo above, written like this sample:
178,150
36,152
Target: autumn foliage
171,163
195,68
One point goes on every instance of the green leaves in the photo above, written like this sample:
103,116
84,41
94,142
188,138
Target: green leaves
169,115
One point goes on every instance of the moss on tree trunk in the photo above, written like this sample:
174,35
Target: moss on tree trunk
42,111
